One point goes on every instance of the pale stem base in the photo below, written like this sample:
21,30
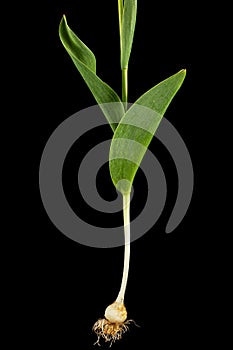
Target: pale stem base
126,213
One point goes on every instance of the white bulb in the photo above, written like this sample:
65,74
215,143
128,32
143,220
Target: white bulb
116,313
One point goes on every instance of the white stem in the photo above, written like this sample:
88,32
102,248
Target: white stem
126,212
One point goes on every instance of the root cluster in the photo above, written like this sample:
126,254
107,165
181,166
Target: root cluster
110,332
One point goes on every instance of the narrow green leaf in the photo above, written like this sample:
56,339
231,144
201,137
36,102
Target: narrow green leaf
85,62
136,129
128,27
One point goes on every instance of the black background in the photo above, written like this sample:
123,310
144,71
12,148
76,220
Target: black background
70,285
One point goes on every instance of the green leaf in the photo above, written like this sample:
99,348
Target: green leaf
136,129
128,27
85,62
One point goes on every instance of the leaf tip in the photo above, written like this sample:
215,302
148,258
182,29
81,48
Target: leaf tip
182,74
184,71
63,19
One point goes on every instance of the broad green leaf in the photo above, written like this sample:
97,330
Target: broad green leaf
128,27
136,129
85,62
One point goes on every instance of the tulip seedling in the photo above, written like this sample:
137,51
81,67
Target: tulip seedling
133,130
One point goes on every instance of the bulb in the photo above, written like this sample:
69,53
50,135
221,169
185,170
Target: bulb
114,325
116,313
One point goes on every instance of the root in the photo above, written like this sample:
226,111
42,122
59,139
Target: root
110,332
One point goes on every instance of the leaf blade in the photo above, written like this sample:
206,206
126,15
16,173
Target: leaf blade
128,28
75,47
85,62
139,124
